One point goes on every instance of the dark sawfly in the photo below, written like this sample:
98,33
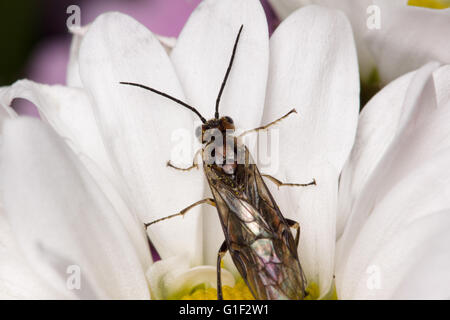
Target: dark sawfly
257,235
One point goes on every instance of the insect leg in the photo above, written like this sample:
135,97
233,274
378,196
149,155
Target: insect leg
267,125
194,163
295,225
223,249
209,201
282,184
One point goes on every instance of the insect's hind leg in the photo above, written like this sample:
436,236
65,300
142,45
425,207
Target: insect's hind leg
282,184
223,249
209,201
267,125
194,163
295,225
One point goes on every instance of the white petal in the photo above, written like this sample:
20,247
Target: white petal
410,181
73,74
138,127
429,277
381,119
408,38
172,278
69,112
203,51
359,13
73,68
18,280
313,69
412,264
442,85
6,111
386,141
61,218
424,191
131,221
377,126
201,58
167,42
356,11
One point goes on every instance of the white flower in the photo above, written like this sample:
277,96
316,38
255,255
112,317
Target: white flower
80,197
408,36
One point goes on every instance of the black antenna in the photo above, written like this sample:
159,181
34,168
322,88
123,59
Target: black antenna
227,73
167,96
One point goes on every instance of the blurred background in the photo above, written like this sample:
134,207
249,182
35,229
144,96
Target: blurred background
35,41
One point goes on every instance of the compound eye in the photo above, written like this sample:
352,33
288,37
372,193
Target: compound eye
229,120
198,131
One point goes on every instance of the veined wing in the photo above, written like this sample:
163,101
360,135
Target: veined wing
258,238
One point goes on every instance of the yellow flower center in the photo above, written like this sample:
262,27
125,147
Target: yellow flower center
433,4
241,292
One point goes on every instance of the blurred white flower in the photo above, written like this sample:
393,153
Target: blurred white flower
78,193
408,35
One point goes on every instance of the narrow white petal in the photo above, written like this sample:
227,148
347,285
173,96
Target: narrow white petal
429,278
382,119
203,51
18,280
377,126
69,112
73,68
61,218
412,264
141,129
313,68
422,192
442,85
358,14
411,180
6,111
380,170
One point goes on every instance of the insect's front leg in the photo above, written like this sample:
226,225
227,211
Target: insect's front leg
223,249
209,201
267,125
194,163
282,184
295,225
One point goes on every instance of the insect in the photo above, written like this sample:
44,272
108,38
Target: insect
257,236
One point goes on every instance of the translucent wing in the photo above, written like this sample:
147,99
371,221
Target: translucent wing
258,237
